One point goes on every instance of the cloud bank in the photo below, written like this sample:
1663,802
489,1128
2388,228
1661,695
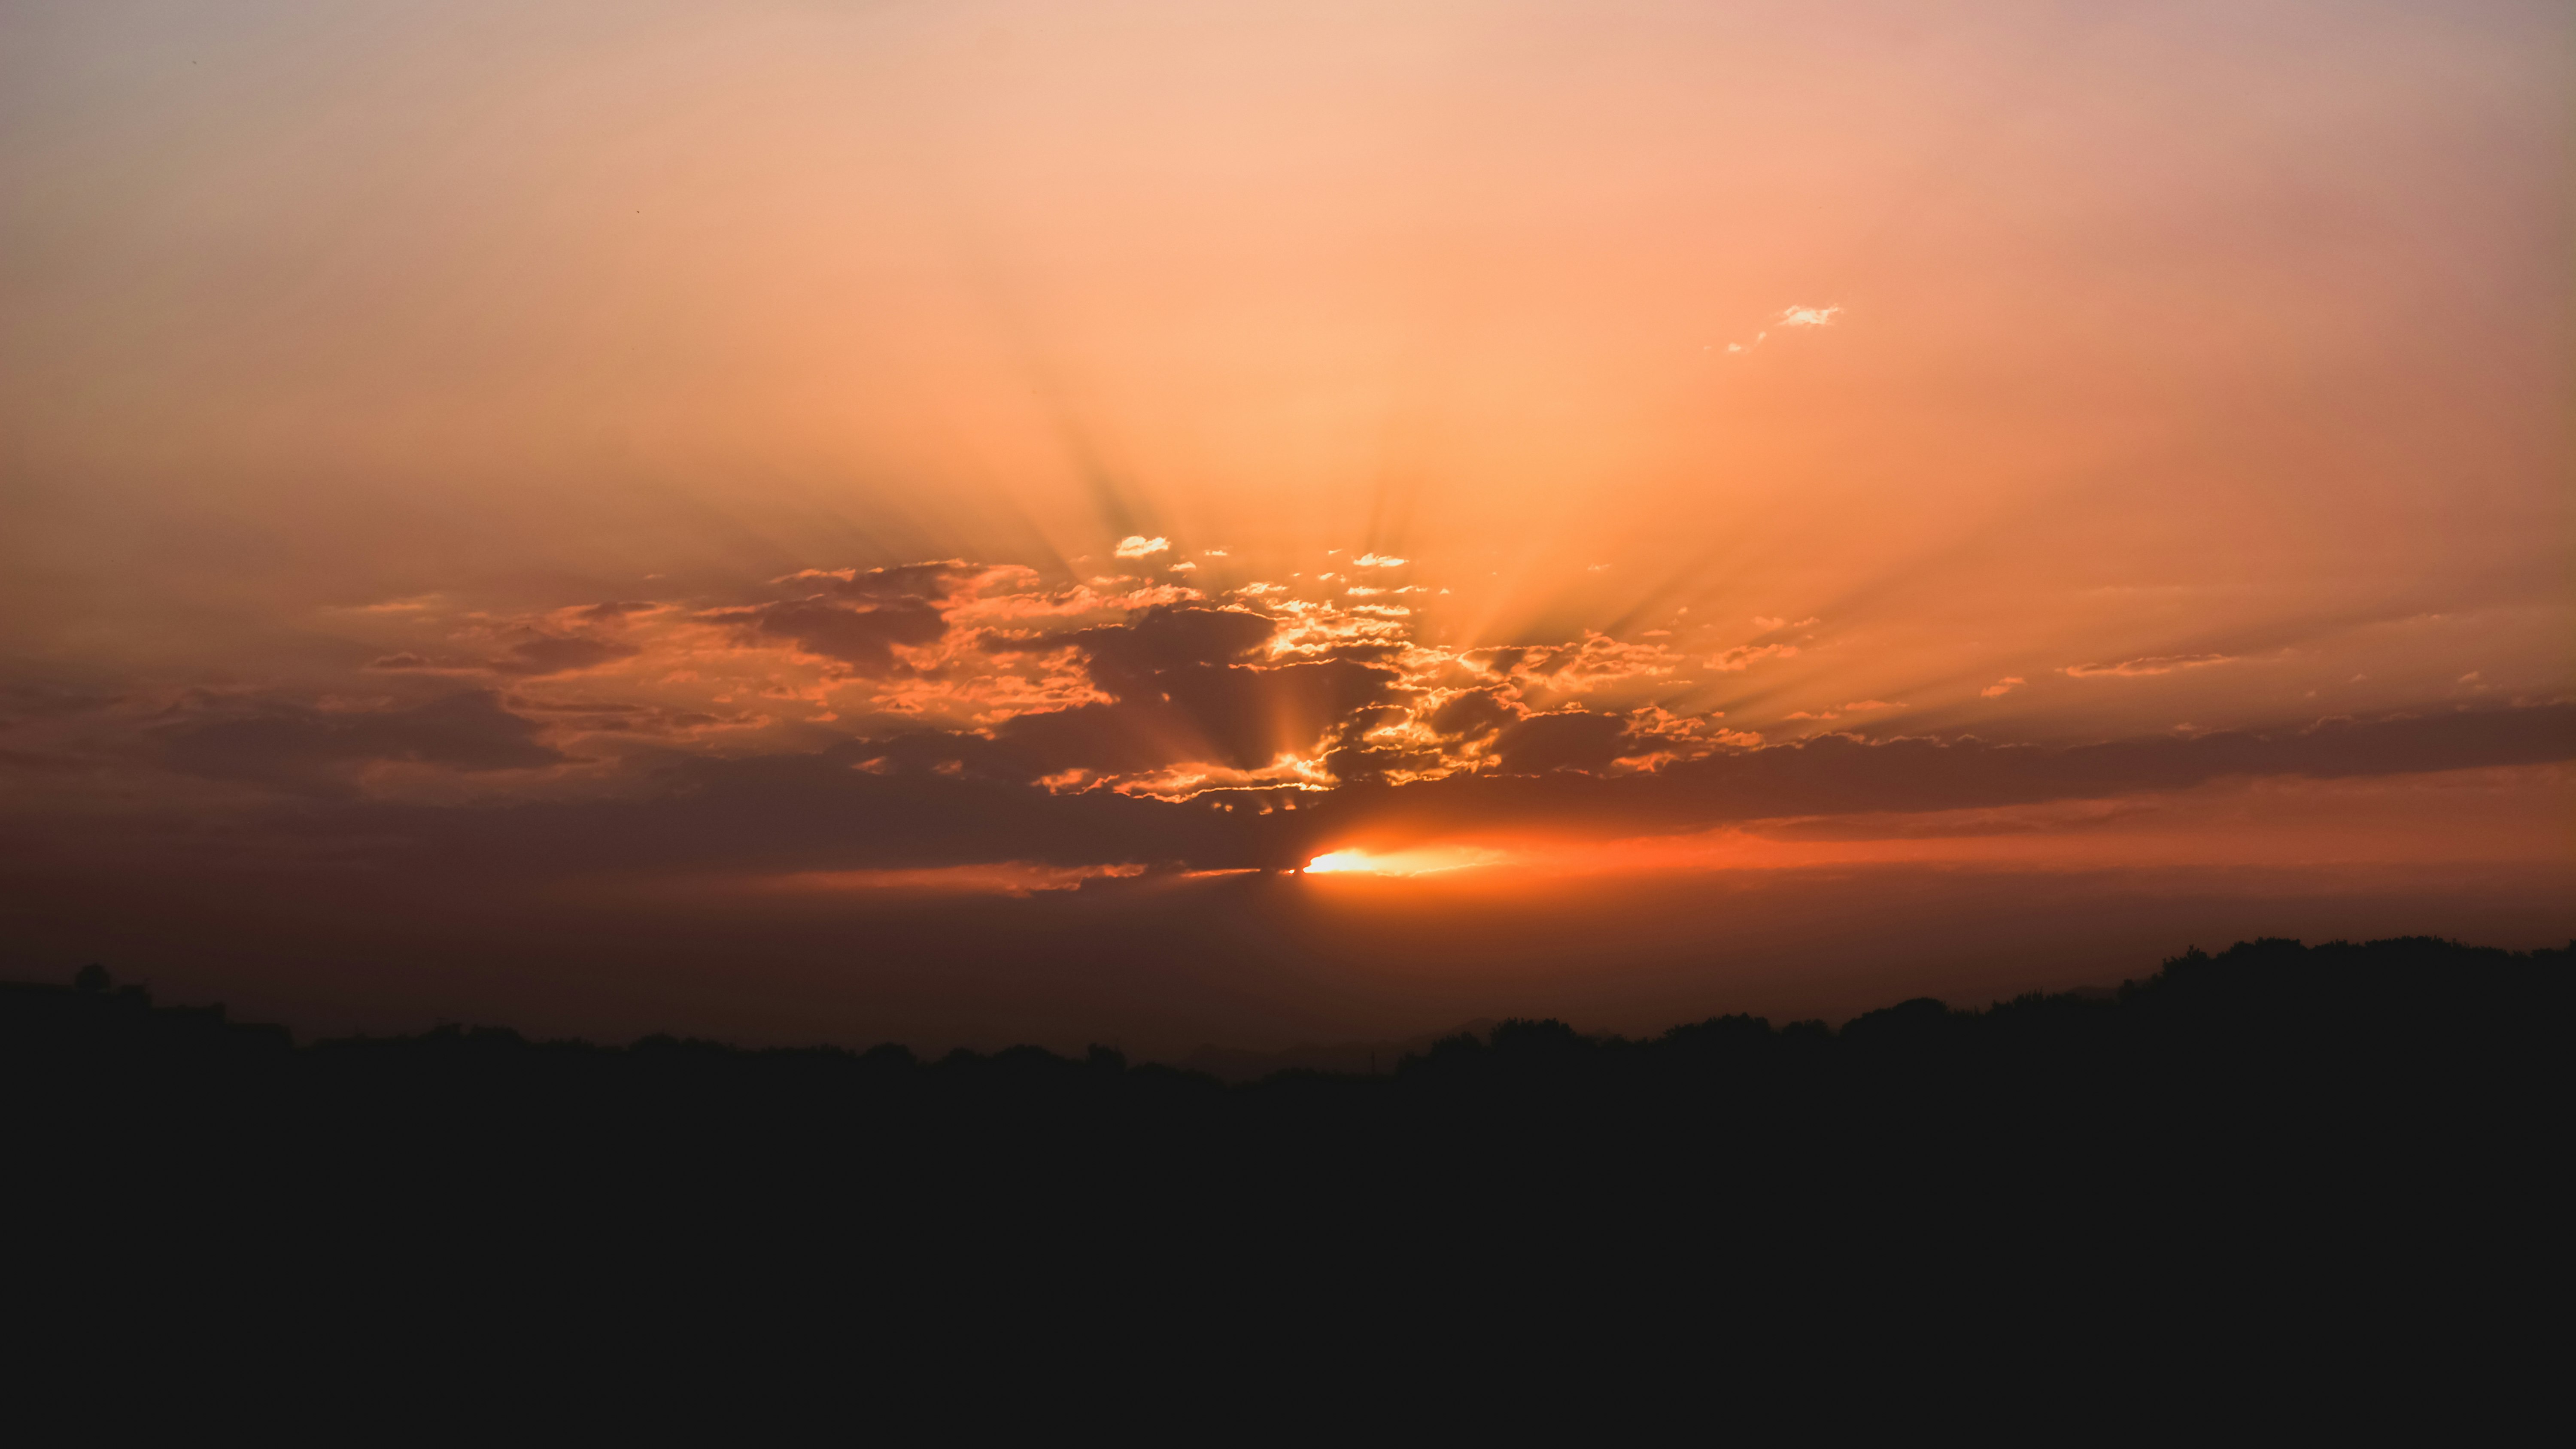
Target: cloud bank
951,713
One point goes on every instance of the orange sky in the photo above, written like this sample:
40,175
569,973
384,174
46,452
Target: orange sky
430,428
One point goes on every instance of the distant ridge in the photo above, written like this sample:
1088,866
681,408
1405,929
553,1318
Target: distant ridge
1233,1064
2276,1155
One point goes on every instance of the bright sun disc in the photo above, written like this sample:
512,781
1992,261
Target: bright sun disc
1418,860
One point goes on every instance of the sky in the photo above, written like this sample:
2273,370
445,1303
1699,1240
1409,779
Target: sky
1174,523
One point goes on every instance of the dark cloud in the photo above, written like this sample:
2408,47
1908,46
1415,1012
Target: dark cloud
1185,690
1565,740
1132,659
617,717
1239,718
20,703
862,638
877,804
541,654
1839,774
1475,714
892,606
284,742
533,654
921,581
37,762
826,810
615,612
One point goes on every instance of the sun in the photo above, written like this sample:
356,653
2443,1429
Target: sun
1411,861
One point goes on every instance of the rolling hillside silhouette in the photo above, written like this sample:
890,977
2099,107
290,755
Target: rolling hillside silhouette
2275,1140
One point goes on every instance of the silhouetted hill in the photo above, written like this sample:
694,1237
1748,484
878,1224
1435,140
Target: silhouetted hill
1232,1064
2324,1133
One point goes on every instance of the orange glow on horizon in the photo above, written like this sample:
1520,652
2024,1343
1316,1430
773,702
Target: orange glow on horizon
1009,878
1413,861
2503,815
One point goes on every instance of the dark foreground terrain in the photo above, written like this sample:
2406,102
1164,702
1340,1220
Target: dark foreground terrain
2277,1156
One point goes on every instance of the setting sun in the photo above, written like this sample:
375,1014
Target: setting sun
1420,860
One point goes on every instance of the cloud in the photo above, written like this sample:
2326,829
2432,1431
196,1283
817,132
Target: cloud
1809,316
1130,657
592,717
1190,685
1592,663
616,611
286,742
919,581
880,804
2153,664
1378,561
2003,686
1561,740
1136,545
540,654
862,638
1839,774
533,653
989,690
1472,715
1744,656
1227,718
1006,878
1857,706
